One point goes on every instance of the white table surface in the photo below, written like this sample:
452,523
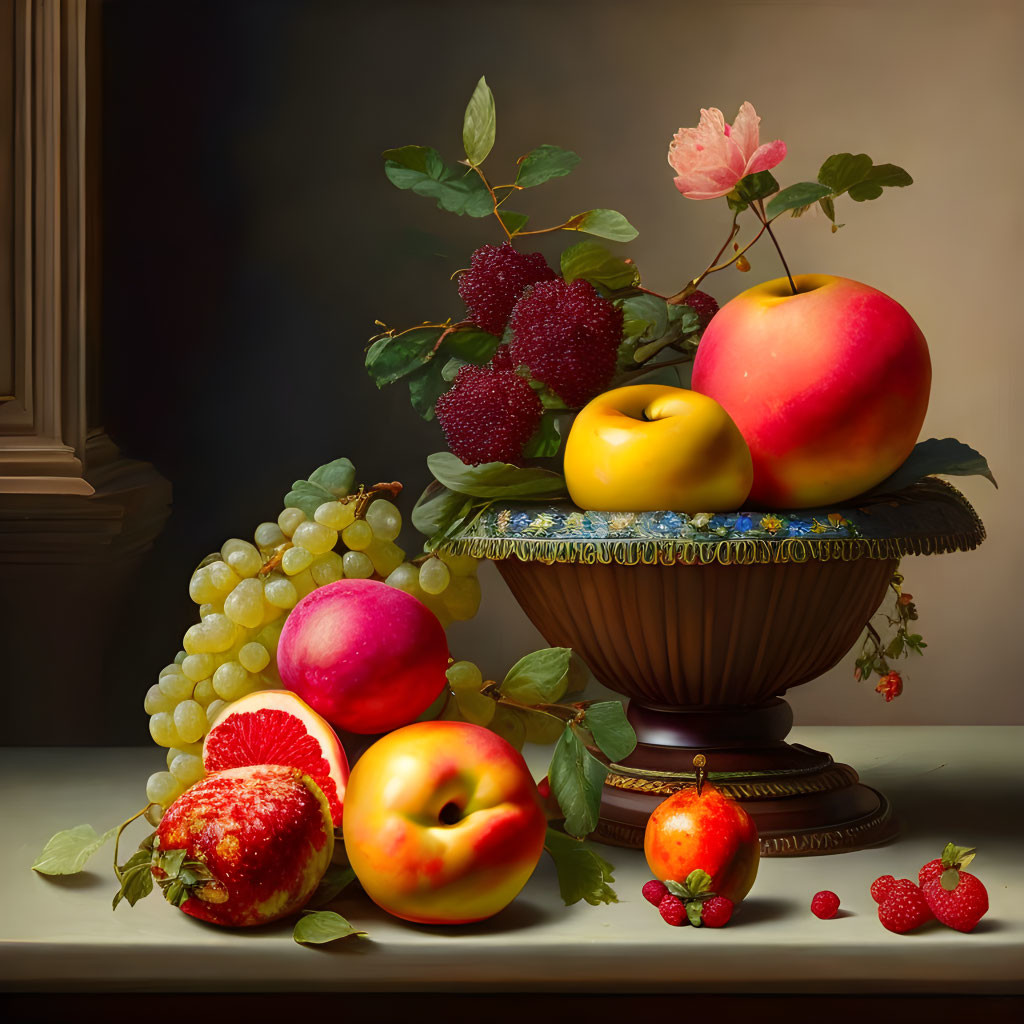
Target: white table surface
960,784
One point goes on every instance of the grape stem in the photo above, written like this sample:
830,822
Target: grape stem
117,838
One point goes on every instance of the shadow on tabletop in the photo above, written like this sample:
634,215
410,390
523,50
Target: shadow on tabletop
82,881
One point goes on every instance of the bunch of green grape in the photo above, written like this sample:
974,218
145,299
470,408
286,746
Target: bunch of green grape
245,592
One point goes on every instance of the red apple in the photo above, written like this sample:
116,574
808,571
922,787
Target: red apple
829,387
706,830
365,656
443,823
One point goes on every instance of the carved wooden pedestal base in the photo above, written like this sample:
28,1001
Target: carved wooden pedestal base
802,801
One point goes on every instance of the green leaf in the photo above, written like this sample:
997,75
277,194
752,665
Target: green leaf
546,440
895,647
694,909
860,177
395,355
513,221
841,170
495,479
698,881
136,879
945,457
611,730
479,124
594,263
421,170
336,878
548,398
322,926
337,477
756,186
828,206
333,480
450,370
954,856
67,852
645,317
576,778
436,508
544,163
604,224
583,874
541,677
426,386
472,345
802,194
889,176
171,862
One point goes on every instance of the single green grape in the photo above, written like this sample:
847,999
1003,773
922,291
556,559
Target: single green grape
434,576
358,535
163,730
254,657
357,565
385,519
156,700
289,519
198,666
464,675
327,568
315,537
175,688
269,535
231,681
190,720
280,592
244,605
187,768
296,560
336,514
163,788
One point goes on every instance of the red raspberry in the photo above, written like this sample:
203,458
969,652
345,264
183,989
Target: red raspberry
904,908
716,911
488,415
880,887
672,909
824,904
654,891
960,908
704,305
567,335
496,278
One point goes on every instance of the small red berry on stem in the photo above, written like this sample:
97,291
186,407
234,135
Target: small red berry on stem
496,277
716,912
704,305
654,891
825,904
672,910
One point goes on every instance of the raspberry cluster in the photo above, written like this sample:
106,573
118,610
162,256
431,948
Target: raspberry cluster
497,276
567,335
715,911
489,413
704,305
944,891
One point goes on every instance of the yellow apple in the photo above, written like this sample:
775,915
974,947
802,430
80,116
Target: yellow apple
650,446
443,823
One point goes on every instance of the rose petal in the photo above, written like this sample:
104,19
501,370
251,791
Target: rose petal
746,131
766,157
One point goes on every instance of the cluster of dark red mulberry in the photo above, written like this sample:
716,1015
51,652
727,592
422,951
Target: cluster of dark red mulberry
565,334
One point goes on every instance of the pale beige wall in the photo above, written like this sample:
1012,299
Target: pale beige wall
933,86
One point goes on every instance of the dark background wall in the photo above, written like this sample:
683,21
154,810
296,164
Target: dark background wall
251,240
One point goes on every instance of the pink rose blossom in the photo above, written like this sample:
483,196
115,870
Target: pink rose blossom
712,157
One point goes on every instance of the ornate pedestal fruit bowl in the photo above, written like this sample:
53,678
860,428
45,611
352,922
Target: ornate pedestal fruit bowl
704,622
